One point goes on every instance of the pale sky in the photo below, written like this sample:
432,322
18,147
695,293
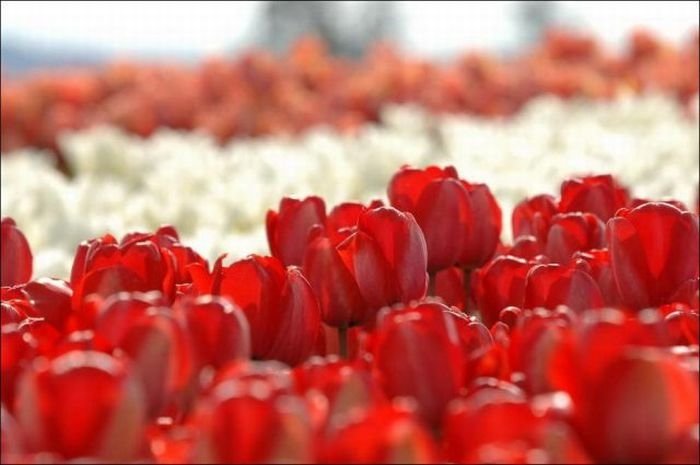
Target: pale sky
428,28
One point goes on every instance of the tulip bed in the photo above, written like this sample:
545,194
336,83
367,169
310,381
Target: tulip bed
260,94
406,332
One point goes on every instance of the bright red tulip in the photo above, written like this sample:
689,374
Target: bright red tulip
341,222
15,256
19,347
82,404
573,232
51,299
461,221
433,374
387,257
499,284
653,252
288,230
551,285
388,434
600,195
279,304
241,423
532,217
633,387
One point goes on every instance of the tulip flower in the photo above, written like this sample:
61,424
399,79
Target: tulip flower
19,347
139,326
461,221
432,374
499,284
248,424
533,216
82,404
637,384
600,195
653,253
288,230
551,285
388,434
573,232
15,256
279,304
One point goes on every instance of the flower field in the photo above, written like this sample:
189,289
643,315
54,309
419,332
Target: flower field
306,260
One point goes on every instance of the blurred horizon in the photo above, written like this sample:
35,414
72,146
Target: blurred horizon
91,33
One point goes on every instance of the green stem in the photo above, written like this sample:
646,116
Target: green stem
343,341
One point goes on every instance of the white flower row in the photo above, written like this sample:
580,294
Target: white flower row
217,197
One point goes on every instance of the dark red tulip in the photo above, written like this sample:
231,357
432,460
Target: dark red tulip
288,230
552,285
573,232
527,247
277,428
683,327
15,256
51,299
600,195
451,287
632,387
499,284
82,404
596,262
19,347
387,257
152,338
533,215
279,304
653,252
432,374
461,221
387,434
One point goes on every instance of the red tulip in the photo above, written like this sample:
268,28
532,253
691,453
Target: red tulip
82,404
152,338
51,300
342,220
573,232
15,256
596,262
461,221
418,354
507,431
218,330
19,347
288,230
551,285
653,252
450,286
388,434
526,246
279,305
532,217
632,388
335,287
101,267
241,423
499,284
600,195
387,257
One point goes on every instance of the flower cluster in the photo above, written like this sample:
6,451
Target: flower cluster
122,183
261,94
373,333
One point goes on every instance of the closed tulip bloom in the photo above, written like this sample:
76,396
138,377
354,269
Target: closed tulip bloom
552,285
288,229
82,404
461,221
15,255
653,253
342,220
418,353
600,195
387,257
385,434
573,232
533,215
500,284
278,302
